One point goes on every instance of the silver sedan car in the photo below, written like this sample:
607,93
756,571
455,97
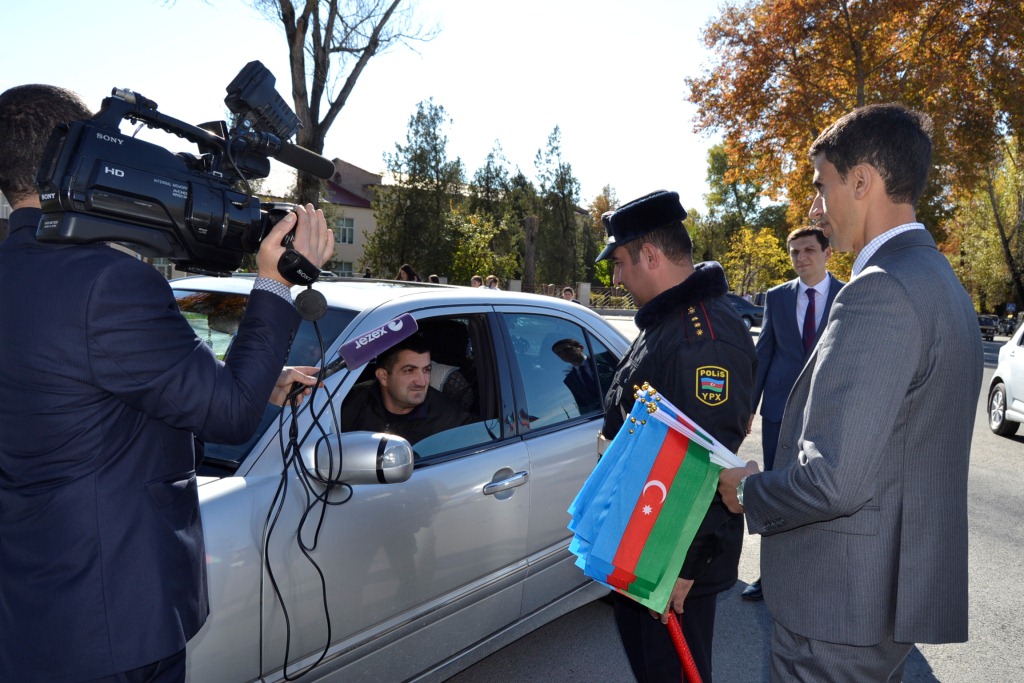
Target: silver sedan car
317,568
1006,390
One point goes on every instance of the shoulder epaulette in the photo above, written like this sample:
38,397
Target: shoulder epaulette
696,323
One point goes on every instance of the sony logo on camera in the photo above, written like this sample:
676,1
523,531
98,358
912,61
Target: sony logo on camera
109,138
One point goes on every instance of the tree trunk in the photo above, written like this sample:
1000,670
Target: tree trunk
307,185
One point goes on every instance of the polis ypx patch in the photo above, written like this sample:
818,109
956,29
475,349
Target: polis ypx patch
712,385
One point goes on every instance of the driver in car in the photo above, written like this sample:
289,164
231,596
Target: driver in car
400,400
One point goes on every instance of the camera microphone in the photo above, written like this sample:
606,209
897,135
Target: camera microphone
305,160
287,153
359,351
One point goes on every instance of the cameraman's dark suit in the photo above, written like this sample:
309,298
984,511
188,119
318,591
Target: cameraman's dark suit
102,563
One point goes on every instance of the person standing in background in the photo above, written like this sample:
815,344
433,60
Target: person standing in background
794,316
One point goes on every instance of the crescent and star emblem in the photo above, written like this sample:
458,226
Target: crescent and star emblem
658,485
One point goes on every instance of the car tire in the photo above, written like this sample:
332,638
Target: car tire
748,322
997,421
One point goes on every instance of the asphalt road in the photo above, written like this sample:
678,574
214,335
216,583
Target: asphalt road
584,646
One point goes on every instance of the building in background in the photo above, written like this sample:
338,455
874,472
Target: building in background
350,192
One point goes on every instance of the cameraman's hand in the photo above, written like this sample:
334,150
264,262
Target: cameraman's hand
312,239
303,374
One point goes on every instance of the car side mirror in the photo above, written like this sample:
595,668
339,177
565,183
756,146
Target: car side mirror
359,458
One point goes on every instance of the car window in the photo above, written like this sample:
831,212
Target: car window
215,316
461,408
560,376
606,363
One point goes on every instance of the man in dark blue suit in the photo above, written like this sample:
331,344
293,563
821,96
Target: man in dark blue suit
794,316
103,386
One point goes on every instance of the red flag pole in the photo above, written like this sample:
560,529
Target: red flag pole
675,631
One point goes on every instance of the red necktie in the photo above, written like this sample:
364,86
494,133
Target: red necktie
809,326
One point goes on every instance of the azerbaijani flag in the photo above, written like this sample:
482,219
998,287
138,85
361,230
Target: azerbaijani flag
637,514
712,384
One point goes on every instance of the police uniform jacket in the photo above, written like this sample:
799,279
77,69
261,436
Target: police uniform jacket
694,349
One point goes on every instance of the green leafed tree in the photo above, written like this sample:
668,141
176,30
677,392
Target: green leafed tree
560,238
755,261
473,234
733,201
496,194
412,212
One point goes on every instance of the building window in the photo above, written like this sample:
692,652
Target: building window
344,269
345,231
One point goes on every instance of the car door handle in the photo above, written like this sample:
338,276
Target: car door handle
517,479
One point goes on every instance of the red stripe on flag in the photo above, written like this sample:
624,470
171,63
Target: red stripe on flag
670,457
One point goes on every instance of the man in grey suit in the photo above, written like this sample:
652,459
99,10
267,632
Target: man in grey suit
864,517
793,315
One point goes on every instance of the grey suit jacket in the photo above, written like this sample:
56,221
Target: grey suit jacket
780,346
864,519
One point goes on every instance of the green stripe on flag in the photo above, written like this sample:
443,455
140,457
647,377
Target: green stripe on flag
685,507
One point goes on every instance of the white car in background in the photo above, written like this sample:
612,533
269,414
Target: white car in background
1006,391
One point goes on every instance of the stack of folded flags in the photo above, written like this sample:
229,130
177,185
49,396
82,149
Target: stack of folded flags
637,513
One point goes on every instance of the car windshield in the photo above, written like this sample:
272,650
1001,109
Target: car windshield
215,317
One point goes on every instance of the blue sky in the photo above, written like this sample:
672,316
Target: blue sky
608,73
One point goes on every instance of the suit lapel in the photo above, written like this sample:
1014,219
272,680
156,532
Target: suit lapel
790,323
833,289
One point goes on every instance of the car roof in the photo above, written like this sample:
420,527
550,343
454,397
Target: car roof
366,294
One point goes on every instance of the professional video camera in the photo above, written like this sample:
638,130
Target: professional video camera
97,185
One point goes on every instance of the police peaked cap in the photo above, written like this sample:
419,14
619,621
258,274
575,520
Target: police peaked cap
641,216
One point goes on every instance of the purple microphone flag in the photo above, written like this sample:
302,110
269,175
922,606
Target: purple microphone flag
360,350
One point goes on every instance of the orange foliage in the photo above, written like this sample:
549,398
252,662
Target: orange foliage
786,69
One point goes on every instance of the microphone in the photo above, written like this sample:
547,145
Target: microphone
305,160
359,351
287,153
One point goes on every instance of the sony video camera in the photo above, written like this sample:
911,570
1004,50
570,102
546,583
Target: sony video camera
97,185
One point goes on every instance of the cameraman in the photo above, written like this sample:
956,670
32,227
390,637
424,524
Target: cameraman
102,386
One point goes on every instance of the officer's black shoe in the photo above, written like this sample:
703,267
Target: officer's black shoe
753,592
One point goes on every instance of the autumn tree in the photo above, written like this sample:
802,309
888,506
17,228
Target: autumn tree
755,261
560,236
986,239
412,212
326,39
607,200
785,69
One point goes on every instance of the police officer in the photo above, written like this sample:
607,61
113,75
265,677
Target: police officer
693,349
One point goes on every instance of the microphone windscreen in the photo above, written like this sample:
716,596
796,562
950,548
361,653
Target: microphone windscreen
360,350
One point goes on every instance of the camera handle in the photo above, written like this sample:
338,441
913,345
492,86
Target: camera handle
296,268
